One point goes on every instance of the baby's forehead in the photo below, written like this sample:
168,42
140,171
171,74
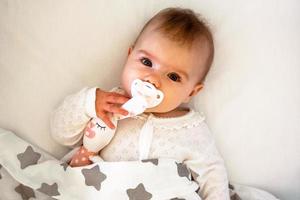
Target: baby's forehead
160,43
176,33
198,43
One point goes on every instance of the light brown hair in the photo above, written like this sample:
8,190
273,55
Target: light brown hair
185,27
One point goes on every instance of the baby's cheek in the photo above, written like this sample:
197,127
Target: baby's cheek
174,98
125,80
169,103
126,84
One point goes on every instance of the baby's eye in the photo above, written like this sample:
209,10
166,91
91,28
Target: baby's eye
174,77
146,62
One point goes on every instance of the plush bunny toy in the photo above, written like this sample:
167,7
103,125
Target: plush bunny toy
97,134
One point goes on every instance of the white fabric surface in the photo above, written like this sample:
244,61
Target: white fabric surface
251,99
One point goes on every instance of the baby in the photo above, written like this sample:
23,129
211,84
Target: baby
173,52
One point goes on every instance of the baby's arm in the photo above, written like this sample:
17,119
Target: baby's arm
71,117
210,173
208,168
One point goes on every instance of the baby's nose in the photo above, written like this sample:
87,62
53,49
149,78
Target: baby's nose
153,79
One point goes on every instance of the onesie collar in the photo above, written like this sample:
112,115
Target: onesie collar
191,119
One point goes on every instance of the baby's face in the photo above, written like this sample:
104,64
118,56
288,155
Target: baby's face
173,69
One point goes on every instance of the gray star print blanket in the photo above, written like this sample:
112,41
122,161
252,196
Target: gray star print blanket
27,172
41,175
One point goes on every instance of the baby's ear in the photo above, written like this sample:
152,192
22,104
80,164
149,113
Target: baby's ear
195,91
130,49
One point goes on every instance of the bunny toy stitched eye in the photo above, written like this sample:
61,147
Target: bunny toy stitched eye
99,126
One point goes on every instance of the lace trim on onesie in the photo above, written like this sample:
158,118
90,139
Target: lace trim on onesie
189,120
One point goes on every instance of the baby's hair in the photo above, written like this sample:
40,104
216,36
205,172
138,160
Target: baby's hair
185,27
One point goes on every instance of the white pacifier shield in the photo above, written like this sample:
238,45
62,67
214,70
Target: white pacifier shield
146,90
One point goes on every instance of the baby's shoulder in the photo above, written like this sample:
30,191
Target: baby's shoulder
195,126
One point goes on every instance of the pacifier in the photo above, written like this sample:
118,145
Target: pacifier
144,95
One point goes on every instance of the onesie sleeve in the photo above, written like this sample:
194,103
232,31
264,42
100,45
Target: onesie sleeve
70,118
208,169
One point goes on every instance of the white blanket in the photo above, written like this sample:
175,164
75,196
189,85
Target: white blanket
149,179
28,172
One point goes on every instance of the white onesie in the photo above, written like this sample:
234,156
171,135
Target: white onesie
185,138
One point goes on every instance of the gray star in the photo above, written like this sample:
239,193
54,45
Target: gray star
230,186
138,193
29,157
232,193
50,190
65,165
25,192
194,178
198,192
93,177
194,175
154,161
235,196
182,170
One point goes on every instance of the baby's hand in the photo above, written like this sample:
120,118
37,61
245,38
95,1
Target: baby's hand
108,103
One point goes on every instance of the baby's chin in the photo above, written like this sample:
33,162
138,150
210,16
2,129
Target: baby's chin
151,110
157,109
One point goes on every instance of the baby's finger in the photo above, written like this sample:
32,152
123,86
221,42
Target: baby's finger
105,118
115,109
116,98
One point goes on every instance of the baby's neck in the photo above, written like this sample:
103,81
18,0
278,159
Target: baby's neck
177,112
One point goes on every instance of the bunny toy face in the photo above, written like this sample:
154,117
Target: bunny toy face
97,135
